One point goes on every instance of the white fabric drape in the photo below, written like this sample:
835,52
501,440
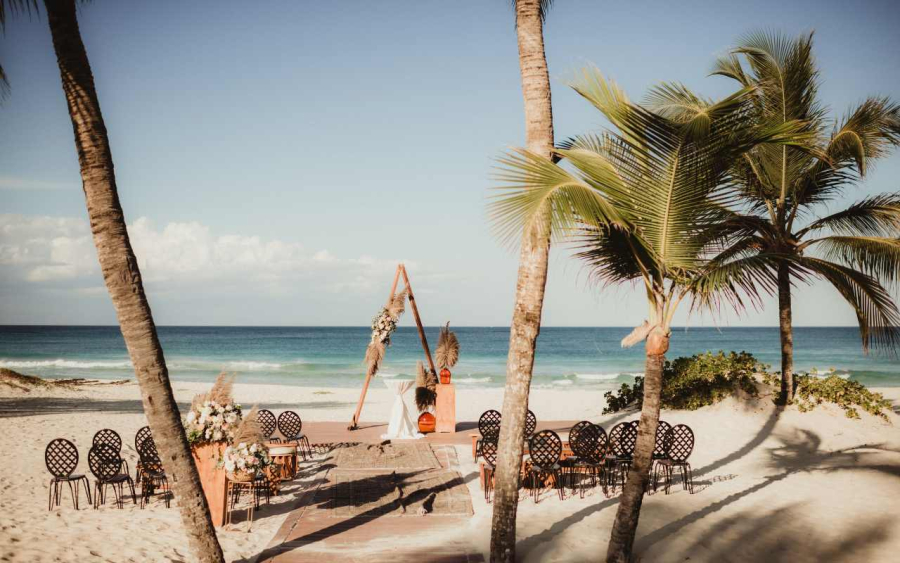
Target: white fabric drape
401,426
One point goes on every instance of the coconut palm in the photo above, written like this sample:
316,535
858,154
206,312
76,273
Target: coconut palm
646,204
786,188
530,284
121,273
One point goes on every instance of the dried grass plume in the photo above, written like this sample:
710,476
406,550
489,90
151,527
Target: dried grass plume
250,430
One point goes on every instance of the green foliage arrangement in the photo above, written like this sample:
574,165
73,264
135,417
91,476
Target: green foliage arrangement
693,382
813,390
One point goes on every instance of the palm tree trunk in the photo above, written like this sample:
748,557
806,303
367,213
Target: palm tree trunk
532,280
625,525
787,334
123,279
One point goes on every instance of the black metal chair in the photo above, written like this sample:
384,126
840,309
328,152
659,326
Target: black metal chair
153,476
620,454
573,436
106,465
530,424
489,453
589,462
679,444
290,426
545,448
112,439
659,449
61,458
489,428
141,435
268,423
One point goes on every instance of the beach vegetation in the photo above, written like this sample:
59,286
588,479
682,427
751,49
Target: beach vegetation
790,194
851,396
690,383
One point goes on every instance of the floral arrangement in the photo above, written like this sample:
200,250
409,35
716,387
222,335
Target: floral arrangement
383,326
247,455
214,416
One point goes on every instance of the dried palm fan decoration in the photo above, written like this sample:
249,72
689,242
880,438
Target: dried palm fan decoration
383,326
447,351
425,388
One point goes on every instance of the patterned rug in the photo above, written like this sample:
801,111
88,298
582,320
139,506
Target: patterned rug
390,480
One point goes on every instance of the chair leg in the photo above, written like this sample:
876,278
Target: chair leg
50,495
74,492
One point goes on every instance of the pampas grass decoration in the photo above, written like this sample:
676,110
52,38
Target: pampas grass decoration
447,351
374,356
221,389
397,304
250,430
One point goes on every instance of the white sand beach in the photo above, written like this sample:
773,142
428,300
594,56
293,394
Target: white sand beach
770,485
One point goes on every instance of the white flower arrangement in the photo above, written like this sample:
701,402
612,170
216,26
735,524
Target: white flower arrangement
211,422
383,325
246,458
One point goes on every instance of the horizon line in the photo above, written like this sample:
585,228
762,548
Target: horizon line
413,326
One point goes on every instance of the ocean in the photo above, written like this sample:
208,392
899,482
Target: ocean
332,356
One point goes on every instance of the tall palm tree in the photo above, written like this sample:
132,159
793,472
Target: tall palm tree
852,248
122,276
646,205
530,285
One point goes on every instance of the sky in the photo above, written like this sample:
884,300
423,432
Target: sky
275,161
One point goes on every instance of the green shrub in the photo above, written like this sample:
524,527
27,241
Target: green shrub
694,382
847,394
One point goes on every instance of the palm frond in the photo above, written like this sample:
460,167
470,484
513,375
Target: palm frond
866,133
537,192
878,215
876,312
878,257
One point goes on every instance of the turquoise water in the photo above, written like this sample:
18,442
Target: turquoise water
332,356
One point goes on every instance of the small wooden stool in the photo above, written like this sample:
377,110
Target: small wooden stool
284,456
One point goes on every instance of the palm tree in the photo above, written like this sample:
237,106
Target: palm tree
530,285
122,276
646,205
853,248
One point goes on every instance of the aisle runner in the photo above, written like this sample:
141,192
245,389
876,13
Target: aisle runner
390,480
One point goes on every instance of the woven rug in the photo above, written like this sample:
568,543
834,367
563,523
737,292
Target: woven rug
390,480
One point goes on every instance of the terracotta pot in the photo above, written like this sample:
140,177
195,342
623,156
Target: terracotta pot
212,478
426,423
445,376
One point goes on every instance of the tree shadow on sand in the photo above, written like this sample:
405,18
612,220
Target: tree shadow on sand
801,453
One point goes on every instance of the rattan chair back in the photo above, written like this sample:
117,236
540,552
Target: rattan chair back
489,452
575,431
109,437
679,443
659,448
530,424
589,444
545,448
267,422
141,435
149,455
622,439
104,462
289,424
489,424
61,458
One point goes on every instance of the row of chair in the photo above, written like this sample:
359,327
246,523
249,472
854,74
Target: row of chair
596,456
289,425
108,467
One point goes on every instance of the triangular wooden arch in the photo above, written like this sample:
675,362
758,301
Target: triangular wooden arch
401,270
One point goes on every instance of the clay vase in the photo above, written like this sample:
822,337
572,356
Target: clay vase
426,423
445,376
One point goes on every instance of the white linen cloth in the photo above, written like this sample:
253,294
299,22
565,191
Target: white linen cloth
401,426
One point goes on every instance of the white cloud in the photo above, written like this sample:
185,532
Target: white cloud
45,249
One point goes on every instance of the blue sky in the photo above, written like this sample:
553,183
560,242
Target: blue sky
276,160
